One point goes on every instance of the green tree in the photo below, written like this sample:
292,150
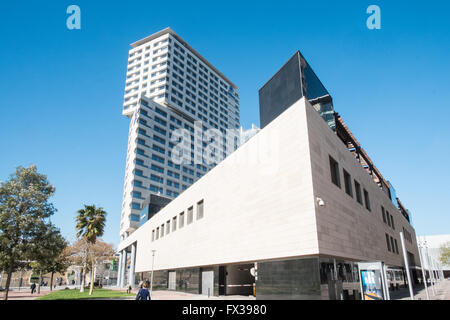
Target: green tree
59,265
46,254
24,209
90,225
445,253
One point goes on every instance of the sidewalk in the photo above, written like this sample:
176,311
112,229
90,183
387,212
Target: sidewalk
177,295
25,293
442,290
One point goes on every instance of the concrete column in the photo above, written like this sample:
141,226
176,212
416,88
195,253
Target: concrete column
119,271
131,278
123,268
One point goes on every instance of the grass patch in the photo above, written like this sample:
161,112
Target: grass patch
75,294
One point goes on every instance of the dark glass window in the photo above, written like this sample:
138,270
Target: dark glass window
366,199
348,183
392,245
384,214
358,192
334,168
388,243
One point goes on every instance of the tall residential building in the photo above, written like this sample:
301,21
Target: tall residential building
171,91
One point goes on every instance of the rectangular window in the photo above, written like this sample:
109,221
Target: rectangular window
153,235
174,224
392,245
366,199
135,206
157,233
190,215
348,183
200,210
334,168
168,227
396,247
388,217
162,231
392,222
134,217
388,243
181,220
384,214
358,192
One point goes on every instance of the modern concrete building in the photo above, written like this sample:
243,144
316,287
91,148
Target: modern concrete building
170,88
286,216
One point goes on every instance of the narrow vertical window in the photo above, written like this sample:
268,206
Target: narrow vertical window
181,220
392,222
153,235
388,243
388,218
358,192
168,227
200,210
162,231
157,233
366,199
334,168
384,214
348,183
396,247
190,215
174,224
392,245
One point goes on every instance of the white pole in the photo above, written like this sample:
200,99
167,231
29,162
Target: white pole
429,269
151,278
385,286
424,276
411,293
119,269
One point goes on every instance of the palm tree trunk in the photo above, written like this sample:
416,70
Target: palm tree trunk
92,280
83,281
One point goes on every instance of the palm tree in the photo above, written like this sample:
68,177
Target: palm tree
90,226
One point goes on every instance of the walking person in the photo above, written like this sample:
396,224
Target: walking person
143,293
33,287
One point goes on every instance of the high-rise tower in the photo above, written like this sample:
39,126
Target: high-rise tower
171,91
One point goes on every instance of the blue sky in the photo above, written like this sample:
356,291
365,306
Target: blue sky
61,91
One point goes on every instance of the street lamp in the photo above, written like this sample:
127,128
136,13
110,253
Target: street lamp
151,277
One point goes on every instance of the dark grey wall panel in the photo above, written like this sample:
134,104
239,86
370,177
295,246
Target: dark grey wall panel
293,81
289,280
280,92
